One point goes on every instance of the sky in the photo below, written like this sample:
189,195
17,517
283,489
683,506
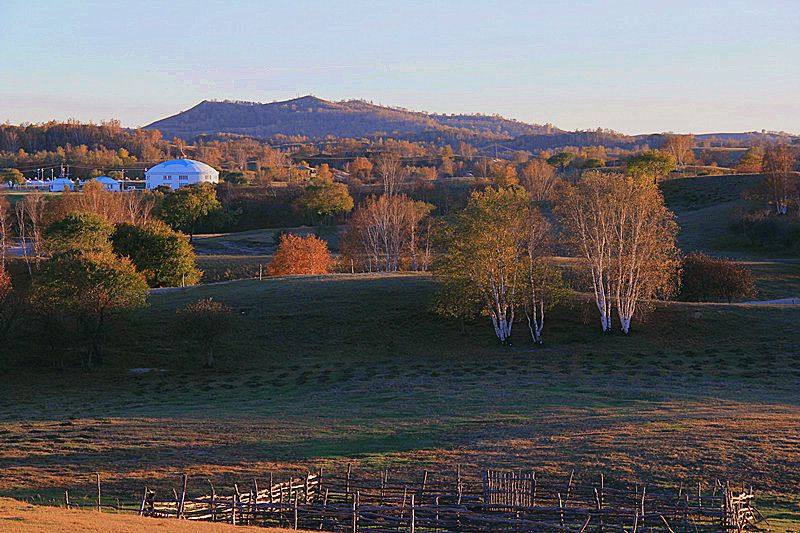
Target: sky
635,67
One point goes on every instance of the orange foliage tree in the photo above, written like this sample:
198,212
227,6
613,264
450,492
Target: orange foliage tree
300,255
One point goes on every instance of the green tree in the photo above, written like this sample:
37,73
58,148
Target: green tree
85,290
163,255
651,164
484,266
183,208
324,199
12,176
78,232
561,159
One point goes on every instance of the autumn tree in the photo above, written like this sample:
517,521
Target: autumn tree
360,169
542,286
162,255
183,208
538,177
11,306
650,165
300,255
494,261
779,182
680,147
204,322
706,279
626,236
504,174
750,163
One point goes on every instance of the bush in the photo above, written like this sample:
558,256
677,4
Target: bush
300,255
204,321
705,278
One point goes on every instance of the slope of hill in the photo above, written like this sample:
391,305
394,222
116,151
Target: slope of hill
313,117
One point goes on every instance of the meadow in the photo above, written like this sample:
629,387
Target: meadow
322,371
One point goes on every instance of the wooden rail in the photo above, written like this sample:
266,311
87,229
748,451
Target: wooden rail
500,501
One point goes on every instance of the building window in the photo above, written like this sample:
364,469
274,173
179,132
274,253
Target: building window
183,177
167,178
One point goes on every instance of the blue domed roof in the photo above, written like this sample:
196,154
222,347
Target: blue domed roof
185,166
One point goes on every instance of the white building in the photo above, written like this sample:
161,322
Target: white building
109,183
60,185
180,173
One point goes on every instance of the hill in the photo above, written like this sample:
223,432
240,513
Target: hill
309,116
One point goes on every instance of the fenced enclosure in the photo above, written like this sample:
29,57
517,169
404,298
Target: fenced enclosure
497,501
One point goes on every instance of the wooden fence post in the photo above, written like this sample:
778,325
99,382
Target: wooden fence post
213,502
355,513
144,500
183,498
98,493
413,514
66,498
296,498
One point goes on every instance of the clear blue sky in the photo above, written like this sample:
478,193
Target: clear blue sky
636,66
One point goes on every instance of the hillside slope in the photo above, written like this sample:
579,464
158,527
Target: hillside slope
313,117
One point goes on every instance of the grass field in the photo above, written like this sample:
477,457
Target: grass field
321,371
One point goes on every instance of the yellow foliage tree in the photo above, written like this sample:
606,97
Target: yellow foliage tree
300,255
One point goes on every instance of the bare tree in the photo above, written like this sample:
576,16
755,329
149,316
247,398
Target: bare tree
539,178
390,171
381,228
5,212
779,181
680,146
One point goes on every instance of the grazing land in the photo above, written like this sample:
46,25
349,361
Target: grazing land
322,371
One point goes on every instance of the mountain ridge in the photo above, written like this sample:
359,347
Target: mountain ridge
314,117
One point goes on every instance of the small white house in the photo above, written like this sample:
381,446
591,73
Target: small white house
179,173
61,185
109,183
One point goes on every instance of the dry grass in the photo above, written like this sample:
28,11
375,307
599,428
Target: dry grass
19,517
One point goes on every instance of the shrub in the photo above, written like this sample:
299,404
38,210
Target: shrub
204,322
300,255
706,278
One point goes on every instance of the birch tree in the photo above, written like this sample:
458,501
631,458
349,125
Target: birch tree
626,237
5,218
680,146
778,179
542,286
538,177
383,230
484,254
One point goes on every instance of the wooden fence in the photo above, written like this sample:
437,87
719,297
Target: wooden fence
501,501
